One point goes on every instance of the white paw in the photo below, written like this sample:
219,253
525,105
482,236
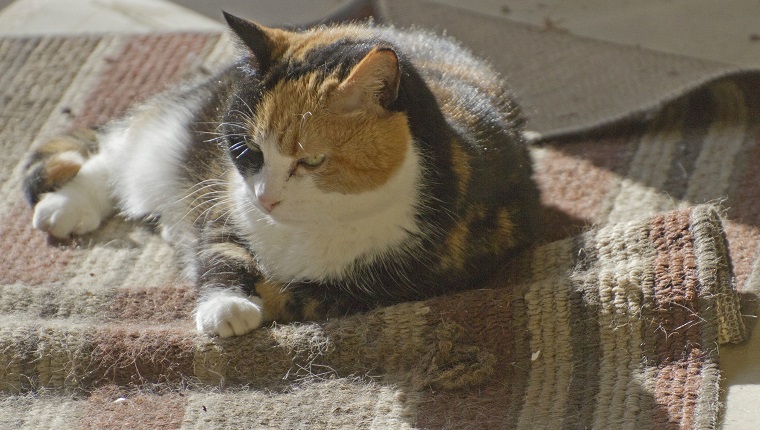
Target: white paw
68,211
227,314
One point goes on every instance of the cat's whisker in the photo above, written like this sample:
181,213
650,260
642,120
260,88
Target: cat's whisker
252,114
225,201
229,212
227,125
203,199
204,215
197,197
214,133
216,123
244,115
200,193
216,139
227,136
202,186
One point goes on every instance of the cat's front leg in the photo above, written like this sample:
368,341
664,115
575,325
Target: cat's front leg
228,313
235,298
227,276
234,311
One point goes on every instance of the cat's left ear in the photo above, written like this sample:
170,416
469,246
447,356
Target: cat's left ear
372,83
267,44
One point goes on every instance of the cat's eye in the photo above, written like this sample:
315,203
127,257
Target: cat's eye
313,161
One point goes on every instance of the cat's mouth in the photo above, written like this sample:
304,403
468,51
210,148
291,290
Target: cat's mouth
267,204
275,213
267,210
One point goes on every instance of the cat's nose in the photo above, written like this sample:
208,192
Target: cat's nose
268,202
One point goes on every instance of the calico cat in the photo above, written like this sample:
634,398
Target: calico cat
327,171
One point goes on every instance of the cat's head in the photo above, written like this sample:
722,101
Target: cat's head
315,129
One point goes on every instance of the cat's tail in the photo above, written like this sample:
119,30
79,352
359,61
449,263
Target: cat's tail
56,162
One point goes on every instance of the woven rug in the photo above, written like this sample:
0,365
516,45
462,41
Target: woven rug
615,321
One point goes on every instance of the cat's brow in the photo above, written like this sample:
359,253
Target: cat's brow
304,116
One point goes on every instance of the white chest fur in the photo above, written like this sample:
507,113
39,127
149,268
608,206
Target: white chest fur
351,227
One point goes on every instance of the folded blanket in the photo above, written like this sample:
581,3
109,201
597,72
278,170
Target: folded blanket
567,84
614,322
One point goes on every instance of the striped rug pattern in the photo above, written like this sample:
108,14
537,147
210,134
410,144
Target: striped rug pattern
614,321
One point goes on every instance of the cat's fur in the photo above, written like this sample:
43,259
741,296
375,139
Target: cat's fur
326,172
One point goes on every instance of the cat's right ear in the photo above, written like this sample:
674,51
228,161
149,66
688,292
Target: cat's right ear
373,83
265,43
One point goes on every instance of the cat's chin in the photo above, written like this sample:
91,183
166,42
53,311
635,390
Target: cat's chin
293,222
280,217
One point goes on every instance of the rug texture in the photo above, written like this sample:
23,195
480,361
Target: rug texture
614,321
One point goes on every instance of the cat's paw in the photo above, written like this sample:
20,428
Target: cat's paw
68,212
227,314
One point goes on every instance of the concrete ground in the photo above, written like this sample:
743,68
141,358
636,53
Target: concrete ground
708,29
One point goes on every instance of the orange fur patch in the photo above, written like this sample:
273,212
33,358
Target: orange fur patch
59,171
458,242
456,245
363,152
505,230
461,164
363,149
275,301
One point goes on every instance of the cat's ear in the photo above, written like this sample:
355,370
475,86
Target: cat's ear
267,44
372,83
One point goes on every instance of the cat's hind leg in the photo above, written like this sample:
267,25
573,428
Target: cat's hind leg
67,183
